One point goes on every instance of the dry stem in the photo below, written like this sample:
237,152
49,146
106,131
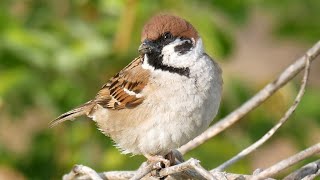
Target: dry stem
271,132
274,169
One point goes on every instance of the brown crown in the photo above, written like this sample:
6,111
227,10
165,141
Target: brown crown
160,24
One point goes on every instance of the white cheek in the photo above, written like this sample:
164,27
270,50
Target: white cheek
175,59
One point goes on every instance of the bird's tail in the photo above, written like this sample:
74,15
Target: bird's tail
84,109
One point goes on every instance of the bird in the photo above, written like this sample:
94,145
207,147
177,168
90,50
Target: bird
164,98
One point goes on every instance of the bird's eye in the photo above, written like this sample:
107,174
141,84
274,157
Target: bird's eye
167,35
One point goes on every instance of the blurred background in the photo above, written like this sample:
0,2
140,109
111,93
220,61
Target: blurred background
56,54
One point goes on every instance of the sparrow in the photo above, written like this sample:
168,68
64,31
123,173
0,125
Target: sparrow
164,98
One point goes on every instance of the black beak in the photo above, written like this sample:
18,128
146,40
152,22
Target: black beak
147,47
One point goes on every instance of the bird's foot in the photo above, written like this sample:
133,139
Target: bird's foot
159,161
171,158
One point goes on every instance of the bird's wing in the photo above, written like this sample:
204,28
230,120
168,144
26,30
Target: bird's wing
124,89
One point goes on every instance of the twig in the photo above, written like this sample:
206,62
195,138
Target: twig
190,164
271,132
274,169
142,171
186,173
306,171
181,171
111,175
254,102
82,170
117,175
312,176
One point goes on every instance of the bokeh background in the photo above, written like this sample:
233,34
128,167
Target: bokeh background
56,54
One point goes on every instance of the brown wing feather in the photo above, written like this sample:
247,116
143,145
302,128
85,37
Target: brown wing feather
132,78
113,95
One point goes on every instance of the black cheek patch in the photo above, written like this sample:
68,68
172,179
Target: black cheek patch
155,60
183,48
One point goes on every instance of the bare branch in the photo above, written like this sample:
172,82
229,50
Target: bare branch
255,101
144,170
190,169
117,175
312,176
271,132
190,164
276,168
307,170
79,170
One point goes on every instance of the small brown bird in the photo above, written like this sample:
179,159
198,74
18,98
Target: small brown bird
164,98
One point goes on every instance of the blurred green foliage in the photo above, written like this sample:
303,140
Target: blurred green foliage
54,55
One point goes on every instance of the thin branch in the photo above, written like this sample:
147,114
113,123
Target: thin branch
308,170
144,170
312,176
190,169
79,170
255,101
276,168
271,132
117,175
190,164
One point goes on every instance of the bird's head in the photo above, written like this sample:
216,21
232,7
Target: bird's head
170,42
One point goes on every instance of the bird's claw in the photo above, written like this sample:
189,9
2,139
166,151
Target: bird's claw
159,162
